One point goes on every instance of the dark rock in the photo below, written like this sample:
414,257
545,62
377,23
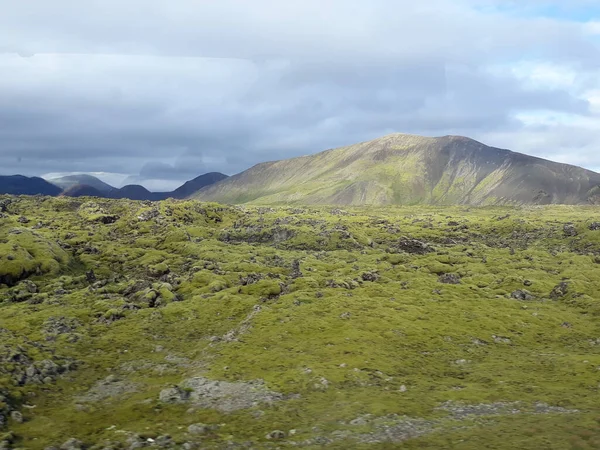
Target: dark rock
251,278
108,219
449,278
276,435
23,219
560,290
595,226
370,276
522,294
90,276
296,273
4,204
414,246
527,283
570,230
90,250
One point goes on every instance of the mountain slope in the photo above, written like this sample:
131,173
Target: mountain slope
22,185
407,169
193,186
75,186
69,181
136,192
82,190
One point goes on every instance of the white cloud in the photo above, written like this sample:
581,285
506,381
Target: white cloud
592,28
201,86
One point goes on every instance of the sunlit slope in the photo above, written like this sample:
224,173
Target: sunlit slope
407,169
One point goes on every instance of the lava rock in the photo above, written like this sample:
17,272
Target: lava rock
522,294
560,290
570,230
449,278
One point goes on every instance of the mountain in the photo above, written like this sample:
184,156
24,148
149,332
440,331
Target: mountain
69,181
135,192
82,190
408,169
76,187
21,185
193,186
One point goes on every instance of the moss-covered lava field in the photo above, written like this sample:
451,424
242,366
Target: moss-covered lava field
180,324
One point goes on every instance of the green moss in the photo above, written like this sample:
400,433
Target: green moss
295,296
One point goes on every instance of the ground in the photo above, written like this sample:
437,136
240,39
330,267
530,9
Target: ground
181,324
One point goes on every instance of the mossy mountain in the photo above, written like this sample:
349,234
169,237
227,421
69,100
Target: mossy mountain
408,169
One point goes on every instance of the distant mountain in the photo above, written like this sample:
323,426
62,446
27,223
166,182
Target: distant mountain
82,190
69,181
407,169
134,191
193,186
21,185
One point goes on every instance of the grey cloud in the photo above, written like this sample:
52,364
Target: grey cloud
141,97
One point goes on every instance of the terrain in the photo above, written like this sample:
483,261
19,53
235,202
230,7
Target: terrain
84,185
71,181
21,185
406,169
137,192
186,324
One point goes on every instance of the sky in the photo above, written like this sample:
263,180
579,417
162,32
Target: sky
156,92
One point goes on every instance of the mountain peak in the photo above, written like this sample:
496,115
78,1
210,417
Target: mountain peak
406,169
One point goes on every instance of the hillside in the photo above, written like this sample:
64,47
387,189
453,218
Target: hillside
76,187
188,325
136,192
70,181
21,185
407,169
193,186
82,190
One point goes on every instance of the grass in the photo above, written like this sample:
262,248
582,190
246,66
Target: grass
367,329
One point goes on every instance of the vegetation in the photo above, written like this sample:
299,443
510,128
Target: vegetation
183,324
409,170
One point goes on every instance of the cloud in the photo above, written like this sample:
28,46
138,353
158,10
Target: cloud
164,91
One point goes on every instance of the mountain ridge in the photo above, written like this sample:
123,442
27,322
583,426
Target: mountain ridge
410,169
90,186
22,185
69,181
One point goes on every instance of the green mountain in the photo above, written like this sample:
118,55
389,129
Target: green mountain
408,169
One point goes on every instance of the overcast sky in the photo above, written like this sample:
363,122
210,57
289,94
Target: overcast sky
158,92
